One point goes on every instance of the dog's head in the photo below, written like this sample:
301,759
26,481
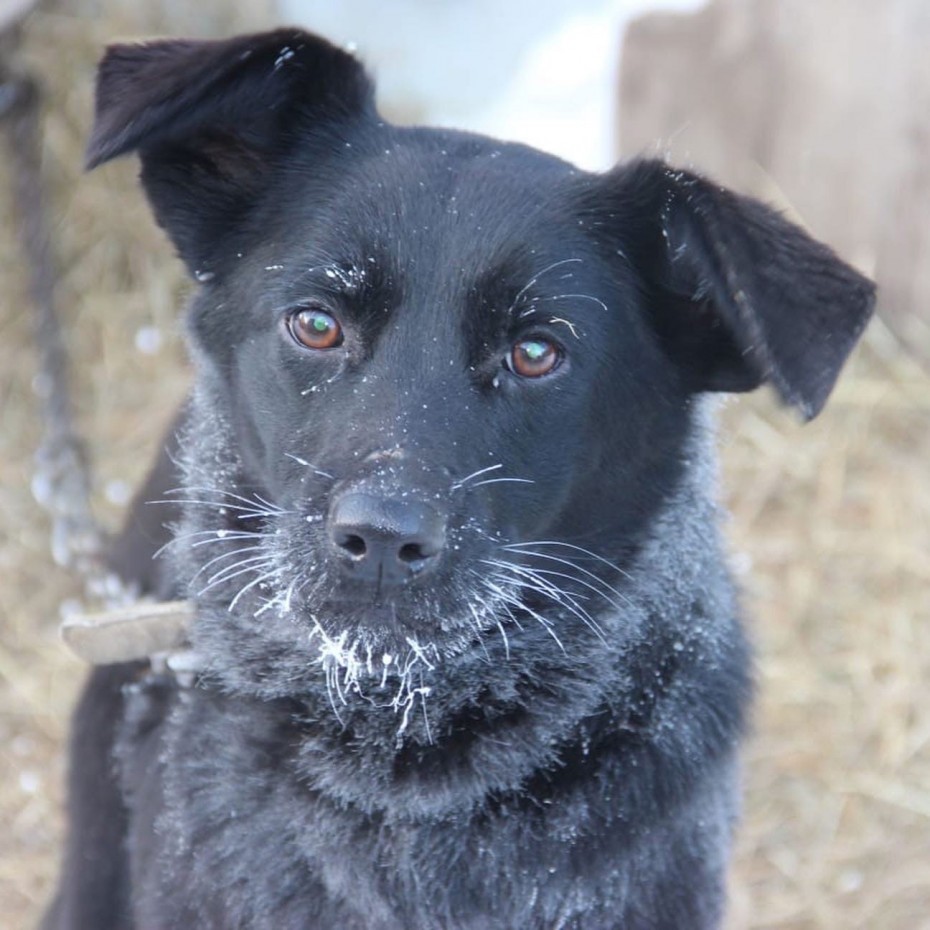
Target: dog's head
445,383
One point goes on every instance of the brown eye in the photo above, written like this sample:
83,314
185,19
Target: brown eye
314,328
533,358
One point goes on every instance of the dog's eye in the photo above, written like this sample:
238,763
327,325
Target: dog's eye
533,358
314,328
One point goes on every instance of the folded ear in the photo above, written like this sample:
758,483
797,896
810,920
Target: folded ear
738,295
209,119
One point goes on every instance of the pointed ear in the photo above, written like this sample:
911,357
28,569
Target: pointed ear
737,294
210,119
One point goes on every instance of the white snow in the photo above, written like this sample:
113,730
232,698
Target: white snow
148,340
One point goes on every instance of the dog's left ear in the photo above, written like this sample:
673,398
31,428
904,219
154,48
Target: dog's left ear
210,120
737,294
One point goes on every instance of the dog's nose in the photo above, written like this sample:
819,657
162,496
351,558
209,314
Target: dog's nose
385,540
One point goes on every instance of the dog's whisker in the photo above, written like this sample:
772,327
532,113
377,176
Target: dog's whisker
235,570
478,484
535,278
514,600
503,632
605,591
221,536
492,604
226,555
523,580
244,513
535,584
216,536
272,508
560,596
288,594
520,605
251,501
456,485
617,599
311,466
590,297
256,503
566,545
228,571
570,602
247,587
479,626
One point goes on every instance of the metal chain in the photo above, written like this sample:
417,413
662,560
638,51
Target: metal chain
61,482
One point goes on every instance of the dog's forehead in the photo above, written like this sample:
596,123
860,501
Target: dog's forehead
428,201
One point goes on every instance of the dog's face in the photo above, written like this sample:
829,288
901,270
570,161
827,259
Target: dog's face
427,381
451,379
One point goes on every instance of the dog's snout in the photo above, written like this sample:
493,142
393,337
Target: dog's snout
387,540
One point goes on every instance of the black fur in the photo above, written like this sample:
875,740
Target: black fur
485,668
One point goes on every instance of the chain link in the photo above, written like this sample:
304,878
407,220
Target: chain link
61,482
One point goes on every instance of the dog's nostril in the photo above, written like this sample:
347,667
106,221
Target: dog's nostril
354,545
412,553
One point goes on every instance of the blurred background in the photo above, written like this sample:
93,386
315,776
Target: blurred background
821,107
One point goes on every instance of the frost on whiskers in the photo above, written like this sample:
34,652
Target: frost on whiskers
354,668
349,667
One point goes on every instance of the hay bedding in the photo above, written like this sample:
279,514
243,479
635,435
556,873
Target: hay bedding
834,519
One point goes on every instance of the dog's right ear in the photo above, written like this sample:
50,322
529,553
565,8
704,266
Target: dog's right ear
210,119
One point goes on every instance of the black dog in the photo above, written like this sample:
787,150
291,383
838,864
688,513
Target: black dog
471,657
